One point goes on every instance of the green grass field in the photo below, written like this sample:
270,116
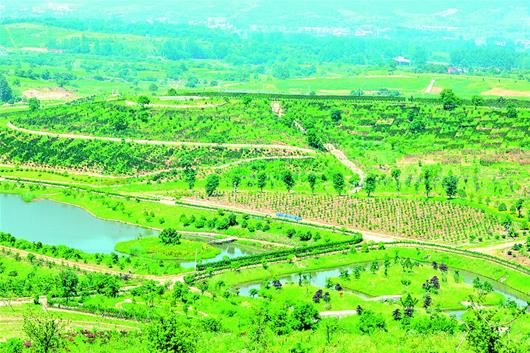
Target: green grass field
153,248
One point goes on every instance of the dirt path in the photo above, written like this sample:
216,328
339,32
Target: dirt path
492,249
162,143
338,314
349,164
430,86
277,109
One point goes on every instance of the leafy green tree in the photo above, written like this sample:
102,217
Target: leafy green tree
212,183
331,325
34,104
143,101
511,111
338,183
450,184
44,331
519,206
336,116
153,87
262,180
305,316
449,99
172,334
190,176
69,282
477,101
172,92
236,180
370,184
6,94
396,173
314,139
427,181
312,180
485,329
370,322
288,179
170,236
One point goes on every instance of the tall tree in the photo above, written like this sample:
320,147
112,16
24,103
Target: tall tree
190,175
450,184
449,99
172,334
336,116
511,111
236,180
34,104
69,281
314,139
339,183
396,173
212,183
44,331
6,94
312,180
370,184
288,179
519,206
262,180
143,101
170,236
427,181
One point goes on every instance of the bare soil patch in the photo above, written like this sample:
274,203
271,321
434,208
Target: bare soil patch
505,93
48,93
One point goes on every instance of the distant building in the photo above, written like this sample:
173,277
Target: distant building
402,60
455,70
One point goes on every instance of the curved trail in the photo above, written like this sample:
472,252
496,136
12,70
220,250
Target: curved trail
278,110
162,143
349,164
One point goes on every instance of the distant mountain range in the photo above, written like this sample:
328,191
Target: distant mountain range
478,20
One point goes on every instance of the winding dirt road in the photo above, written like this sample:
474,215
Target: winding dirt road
349,164
162,143
278,110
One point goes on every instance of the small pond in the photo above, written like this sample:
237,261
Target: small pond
55,223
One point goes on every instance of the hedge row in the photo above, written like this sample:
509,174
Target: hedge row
280,255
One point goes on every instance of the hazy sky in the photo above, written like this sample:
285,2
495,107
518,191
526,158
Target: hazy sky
467,17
